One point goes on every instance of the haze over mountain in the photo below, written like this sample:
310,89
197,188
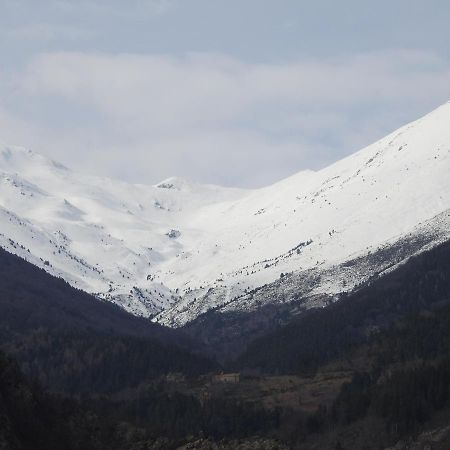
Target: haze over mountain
178,249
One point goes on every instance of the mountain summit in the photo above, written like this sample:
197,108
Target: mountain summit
178,249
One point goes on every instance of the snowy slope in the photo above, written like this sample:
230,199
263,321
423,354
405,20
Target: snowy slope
175,250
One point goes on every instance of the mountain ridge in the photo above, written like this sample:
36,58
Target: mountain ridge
178,249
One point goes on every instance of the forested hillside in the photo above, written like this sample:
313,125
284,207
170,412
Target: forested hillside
320,335
73,342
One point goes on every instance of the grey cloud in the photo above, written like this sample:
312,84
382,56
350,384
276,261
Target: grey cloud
216,118
232,92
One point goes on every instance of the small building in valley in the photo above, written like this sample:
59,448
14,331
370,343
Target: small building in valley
175,377
231,378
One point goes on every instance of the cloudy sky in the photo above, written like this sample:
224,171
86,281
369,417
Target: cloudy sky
233,92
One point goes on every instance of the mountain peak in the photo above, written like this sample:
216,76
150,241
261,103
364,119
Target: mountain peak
18,159
177,183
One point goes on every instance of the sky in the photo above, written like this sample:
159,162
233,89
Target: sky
231,92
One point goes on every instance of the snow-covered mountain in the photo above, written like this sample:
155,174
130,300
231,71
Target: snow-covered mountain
178,249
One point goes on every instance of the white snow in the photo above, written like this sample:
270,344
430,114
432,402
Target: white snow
174,250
